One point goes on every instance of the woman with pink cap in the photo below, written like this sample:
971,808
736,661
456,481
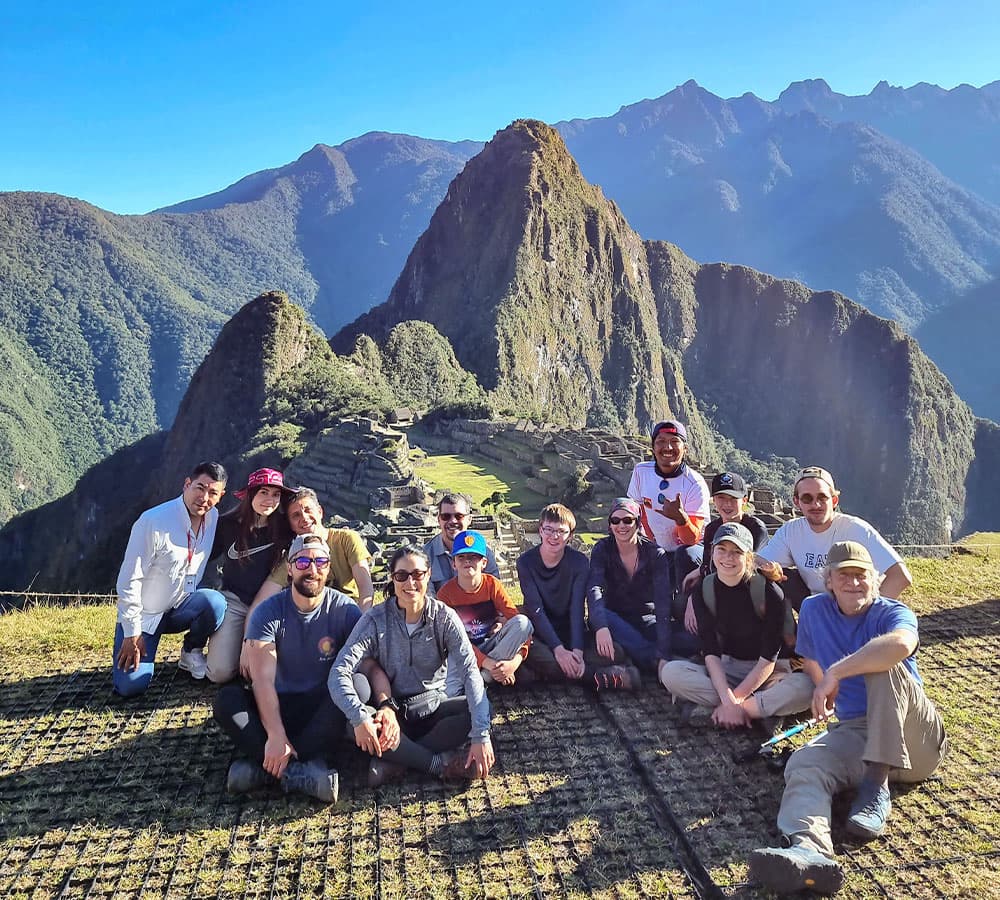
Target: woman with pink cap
249,541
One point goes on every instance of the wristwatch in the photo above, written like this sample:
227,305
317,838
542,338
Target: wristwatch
390,702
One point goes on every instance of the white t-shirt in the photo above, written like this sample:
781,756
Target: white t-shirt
796,544
647,487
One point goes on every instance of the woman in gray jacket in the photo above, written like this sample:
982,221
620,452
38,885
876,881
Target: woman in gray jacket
415,726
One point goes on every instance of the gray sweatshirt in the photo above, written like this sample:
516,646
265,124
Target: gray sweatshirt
414,663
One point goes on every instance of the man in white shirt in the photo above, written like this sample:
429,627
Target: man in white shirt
806,542
158,582
674,501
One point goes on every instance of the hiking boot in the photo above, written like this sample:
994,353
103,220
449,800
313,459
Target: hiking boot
792,869
193,661
686,711
311,778
869,811
246,776
455,769
381,771
620,678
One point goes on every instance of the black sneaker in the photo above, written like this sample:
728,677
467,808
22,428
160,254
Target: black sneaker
313,779
246,776
792,869
617,678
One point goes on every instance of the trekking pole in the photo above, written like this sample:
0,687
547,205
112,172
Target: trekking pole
766,749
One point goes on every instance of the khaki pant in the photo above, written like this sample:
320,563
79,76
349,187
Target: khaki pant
902,729
225,645
690,681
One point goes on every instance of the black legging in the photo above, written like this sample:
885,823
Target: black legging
444,729
313,724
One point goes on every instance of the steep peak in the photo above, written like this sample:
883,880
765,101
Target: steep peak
812,94
223,405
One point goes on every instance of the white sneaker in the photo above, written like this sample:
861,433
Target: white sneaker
194,661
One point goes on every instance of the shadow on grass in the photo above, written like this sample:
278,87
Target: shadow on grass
980,619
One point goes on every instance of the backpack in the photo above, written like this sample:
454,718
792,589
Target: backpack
757,585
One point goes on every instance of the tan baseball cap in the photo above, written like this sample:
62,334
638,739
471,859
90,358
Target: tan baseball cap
847,554
815,472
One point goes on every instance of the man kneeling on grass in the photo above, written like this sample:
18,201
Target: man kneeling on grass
499,634
860,650
287,722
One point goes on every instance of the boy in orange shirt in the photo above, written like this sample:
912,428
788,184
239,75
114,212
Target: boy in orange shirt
499,634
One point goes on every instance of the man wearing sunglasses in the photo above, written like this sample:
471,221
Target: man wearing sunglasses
286,723
805,542
453,516
674,500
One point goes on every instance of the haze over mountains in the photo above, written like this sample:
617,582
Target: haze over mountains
107,316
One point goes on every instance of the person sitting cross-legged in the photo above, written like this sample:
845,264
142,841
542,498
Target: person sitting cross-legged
741,621
287,723
414,638
553,581
860,648
500,635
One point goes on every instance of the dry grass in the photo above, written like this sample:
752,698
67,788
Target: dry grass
102,798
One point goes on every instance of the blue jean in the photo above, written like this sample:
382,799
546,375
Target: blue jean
639,640
200,615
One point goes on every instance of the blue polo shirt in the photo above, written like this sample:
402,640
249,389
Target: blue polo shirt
826,635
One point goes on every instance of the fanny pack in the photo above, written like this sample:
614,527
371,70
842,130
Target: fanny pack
421,705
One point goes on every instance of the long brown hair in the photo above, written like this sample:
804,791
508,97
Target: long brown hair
277,529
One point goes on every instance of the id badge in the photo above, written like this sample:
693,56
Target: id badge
190,583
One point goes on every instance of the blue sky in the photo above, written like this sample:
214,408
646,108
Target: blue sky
132,107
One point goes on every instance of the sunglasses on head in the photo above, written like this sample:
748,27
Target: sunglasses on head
622,520
302,563
809,498
457,516
401,575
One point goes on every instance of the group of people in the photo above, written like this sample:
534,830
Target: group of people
707,606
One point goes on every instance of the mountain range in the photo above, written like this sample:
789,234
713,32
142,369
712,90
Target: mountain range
529,293
107,317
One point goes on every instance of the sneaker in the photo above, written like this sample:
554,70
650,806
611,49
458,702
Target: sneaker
621,678
686,711
869,811
455,768
194,661
246,776
787,870
381,771
311,778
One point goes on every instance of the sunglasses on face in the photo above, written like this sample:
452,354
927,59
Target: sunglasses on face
302,563
809,498
401,575
447,517
622,520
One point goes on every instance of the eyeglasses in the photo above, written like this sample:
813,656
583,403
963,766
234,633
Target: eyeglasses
401,575
550,531
809,498
302,563
622,520
447,517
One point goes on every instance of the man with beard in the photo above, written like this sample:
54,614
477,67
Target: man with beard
805,542
859,648
453,516
286,723
674,501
